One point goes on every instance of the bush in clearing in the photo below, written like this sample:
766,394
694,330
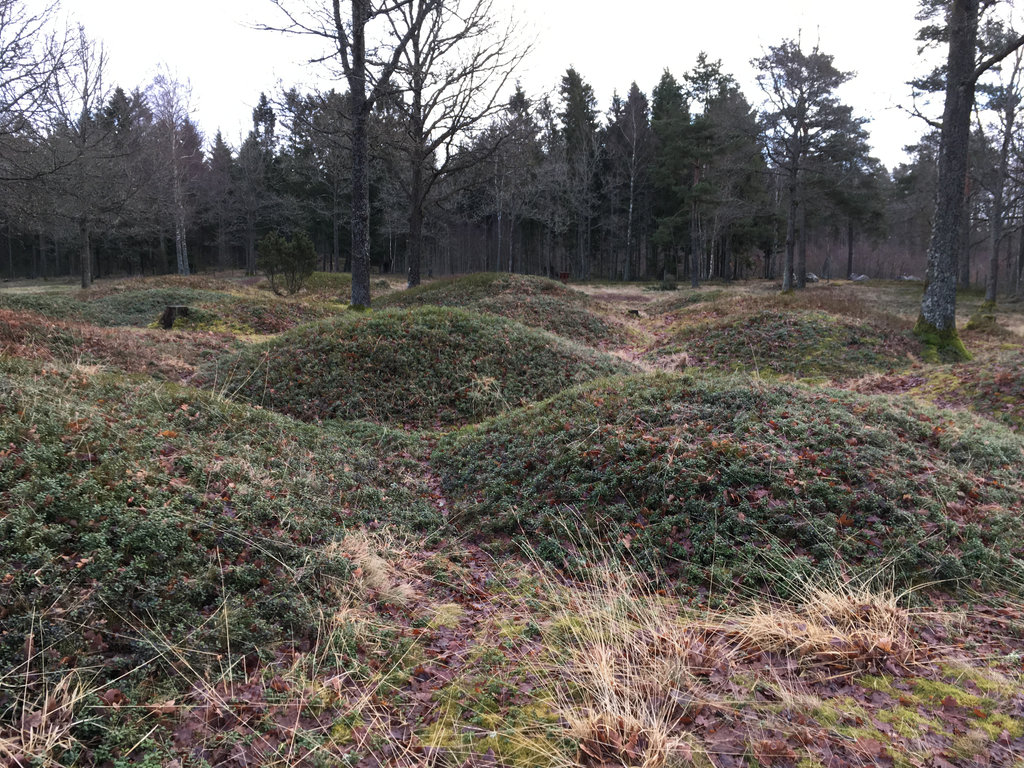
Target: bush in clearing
287,263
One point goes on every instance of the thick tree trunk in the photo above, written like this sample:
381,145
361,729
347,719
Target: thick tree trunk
356,75
937,323
849,249
801,253
415,249
360,210
86,255
794,203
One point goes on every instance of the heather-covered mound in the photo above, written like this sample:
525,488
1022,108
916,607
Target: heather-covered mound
140,303
143,521
992,385
534,301
168,355
801,343
424,366
724,481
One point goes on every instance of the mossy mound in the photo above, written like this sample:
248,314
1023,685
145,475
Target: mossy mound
138,305
723,481
157,353
799,343
534,301
427,366
137,518
991,385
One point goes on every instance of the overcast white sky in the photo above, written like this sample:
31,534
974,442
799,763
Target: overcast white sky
212,44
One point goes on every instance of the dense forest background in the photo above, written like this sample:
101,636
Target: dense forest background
690,179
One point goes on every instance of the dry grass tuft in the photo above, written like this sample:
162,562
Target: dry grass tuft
846,624
374,578
41,721
631,669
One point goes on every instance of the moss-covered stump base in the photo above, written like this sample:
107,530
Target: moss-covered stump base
940,345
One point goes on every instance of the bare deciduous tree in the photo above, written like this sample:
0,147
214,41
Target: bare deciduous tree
452,74
362,45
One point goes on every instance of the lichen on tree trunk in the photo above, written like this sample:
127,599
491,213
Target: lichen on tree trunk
936,326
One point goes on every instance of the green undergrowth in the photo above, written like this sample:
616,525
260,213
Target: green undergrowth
140,306
534,301
991,385
801,343
423,367
137,518
940,345
729,482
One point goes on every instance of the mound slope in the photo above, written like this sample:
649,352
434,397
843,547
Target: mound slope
426,366
801,343
136,517
726,481
534,301
141,305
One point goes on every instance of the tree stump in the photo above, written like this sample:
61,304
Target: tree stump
172,313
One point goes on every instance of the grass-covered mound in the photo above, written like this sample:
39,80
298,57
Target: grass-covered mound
138,303
800,343
724,480
534,301
425,366
992,385
171,356
143,521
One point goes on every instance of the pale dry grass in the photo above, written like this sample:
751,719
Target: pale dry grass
42,720
627,669
376,578
837,623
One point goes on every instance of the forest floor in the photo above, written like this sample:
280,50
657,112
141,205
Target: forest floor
499,521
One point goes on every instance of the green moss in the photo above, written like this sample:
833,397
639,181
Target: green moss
995,723
880,683
908,722
988,681
343,730
521,737
940,346
936,691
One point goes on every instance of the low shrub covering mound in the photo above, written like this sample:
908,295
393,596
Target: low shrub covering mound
140,520
534,301
724,481
796,343
425,366
142,306
991,385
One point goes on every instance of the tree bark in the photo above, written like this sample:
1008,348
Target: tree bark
86,255
360,209
794,203
937,322
801,253
415,249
